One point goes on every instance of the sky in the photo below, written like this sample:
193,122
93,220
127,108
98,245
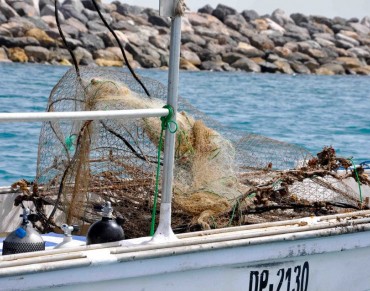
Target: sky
329,8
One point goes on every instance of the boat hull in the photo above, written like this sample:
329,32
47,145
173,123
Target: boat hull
279,257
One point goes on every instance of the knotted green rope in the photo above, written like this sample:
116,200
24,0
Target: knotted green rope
166,122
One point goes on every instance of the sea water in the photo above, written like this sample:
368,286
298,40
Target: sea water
310,111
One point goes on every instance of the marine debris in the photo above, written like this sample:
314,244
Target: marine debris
220,179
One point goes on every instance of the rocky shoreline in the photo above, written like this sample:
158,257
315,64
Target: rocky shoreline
217,39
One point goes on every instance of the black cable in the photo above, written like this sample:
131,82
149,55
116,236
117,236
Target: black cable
64,39
120,46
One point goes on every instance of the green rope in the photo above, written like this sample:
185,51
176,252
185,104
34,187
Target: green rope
70,141
166,122
357,178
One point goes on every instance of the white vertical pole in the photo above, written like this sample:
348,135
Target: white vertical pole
164,230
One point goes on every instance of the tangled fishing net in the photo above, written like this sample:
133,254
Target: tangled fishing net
220,179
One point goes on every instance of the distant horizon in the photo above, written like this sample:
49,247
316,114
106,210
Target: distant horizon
328,8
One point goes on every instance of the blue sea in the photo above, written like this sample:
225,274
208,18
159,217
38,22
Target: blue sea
310,111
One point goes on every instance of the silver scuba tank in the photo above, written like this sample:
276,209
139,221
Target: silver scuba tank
24,239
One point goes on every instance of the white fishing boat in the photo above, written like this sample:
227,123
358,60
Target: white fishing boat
329,252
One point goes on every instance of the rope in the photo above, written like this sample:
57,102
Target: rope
121,48
180,8
357,178
166,121
74,60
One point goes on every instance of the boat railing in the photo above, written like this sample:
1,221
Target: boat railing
78,115
168,8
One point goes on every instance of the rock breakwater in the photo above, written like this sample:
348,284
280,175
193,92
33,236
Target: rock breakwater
218,39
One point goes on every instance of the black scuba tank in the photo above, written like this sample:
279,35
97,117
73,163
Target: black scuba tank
105,230
24,239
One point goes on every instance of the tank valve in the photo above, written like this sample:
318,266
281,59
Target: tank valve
107,229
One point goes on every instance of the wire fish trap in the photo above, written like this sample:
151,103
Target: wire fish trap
219,177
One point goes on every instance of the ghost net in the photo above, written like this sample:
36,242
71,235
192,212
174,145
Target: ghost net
220,179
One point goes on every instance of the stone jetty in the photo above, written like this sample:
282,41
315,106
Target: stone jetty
216,39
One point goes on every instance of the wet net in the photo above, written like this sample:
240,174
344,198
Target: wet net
222,177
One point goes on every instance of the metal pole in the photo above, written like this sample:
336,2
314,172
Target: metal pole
82,115
164,230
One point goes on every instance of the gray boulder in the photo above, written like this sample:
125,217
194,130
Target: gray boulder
326,36
250,15
366,21
352,41
159,21
216,66
191,57
160,41
361,52
76,4
336,68
280,17
73,43
193,47
83,54
324,42
147,61
206,55
248,51
37,54
88,4
2,18
231,57
18,41
124,25
292,29
37,22
59,54
279,40
49,10
94,16
299,18
323,20
125,9
91,42
360,28
133,50
96,26
205,31
69,11
235,21
70,30
7,10
339,27
222,11
193,38
340,21
353,19
262,42
43,3
247,65
207,9
24,9
300,68
283,66
267,67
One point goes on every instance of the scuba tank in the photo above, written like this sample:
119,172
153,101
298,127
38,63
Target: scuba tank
68,241
24,239
105,230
